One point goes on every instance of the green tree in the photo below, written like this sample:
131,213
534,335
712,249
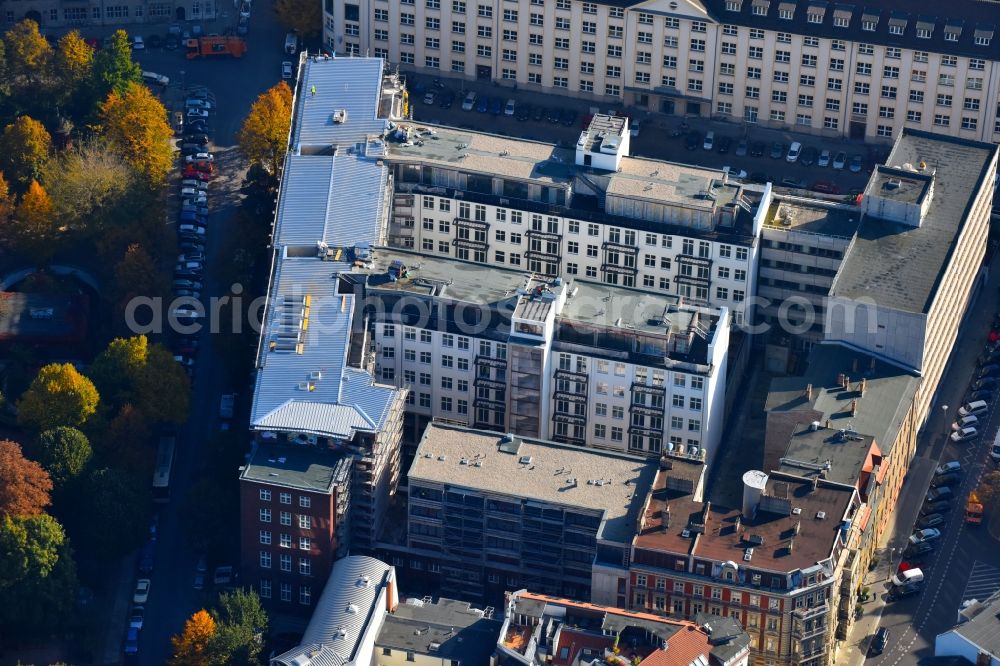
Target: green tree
29,546
109,514
59,396
128,443
136,123
113,70
163,389
303,16
24,149
240,624
115,370
24,485
264,134
137,275
64,453
28,54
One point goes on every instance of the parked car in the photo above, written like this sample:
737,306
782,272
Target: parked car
137,43
147,557
200,157
141,594
194,208
286,69
709,142
523,112
135,619
540,113
984,383
132,642
692,140
824,158
725,143
897,593
941,506
950,467
938,494
965,422
840,160
483,104
197,103
918,549
509,108
741,148
984,395
794,151
989,370
194,184
946,480
757,149
446,99
925,535
567,117
880,641
808,157
187,284
964,435
469,103
974,407
191,256
193,112
554,115
191,229
857,162
200,139
930,520
795,183
826,187
777,150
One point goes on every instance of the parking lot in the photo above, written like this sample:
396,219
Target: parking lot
550,118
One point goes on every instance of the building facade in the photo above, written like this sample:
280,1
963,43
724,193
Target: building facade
56,16
864,71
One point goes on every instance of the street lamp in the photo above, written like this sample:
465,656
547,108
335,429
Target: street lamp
892,554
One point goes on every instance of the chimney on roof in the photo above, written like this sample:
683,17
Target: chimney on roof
828,423
862,385
809,391
854,407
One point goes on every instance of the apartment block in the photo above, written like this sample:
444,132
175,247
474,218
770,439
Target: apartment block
63,15
326,434
592,212
772,565
490,512
540,629
573,361
914,264
864,71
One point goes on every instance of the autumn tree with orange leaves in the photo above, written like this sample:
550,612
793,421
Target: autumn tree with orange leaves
24,485
190,645
264,135
136,123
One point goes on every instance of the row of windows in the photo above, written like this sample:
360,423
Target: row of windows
285,498
285,519
285,592
285,563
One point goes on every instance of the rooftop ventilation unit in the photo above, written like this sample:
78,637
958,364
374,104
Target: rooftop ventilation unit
747,554
525,460
340,116
820,515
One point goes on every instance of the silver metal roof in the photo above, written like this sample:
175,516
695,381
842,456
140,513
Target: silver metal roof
337,199
350,603
331,85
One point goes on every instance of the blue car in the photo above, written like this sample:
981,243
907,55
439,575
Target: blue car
483,105
132,641
191,216
496,106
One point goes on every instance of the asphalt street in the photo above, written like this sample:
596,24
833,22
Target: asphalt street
966,563
235,84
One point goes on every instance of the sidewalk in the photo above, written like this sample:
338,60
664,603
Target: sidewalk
121,599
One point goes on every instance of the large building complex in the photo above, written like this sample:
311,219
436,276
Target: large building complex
59,15
866,70
542,357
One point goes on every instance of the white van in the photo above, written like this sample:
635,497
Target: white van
291,43
152,78
975,407
907,577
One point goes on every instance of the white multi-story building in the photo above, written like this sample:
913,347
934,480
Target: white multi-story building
863,70
576,361
592,212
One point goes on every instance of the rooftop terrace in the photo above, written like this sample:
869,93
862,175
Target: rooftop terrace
297,466
790,214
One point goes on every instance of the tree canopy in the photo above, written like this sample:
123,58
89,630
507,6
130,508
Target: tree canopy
109,515
264,134
135,121
27,52
132,371
302,16
64,453
59,396
31,229
29,547
240,623
24,149
24,484
191,644
113,69
74,60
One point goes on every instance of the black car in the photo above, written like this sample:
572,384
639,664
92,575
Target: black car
918,549
940,506
540,114
988,357
777,150
554,115
991,370
195,128
983,394
154,42
742,148
948,479
447,99
568,117
171,42
757,149
523,112
693,140
725,143
984,383
880,641
902,592
930,520
758,177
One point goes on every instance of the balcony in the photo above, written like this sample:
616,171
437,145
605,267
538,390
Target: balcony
621,247
621,270
809,612
566,373
545,235
650,390
491,361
